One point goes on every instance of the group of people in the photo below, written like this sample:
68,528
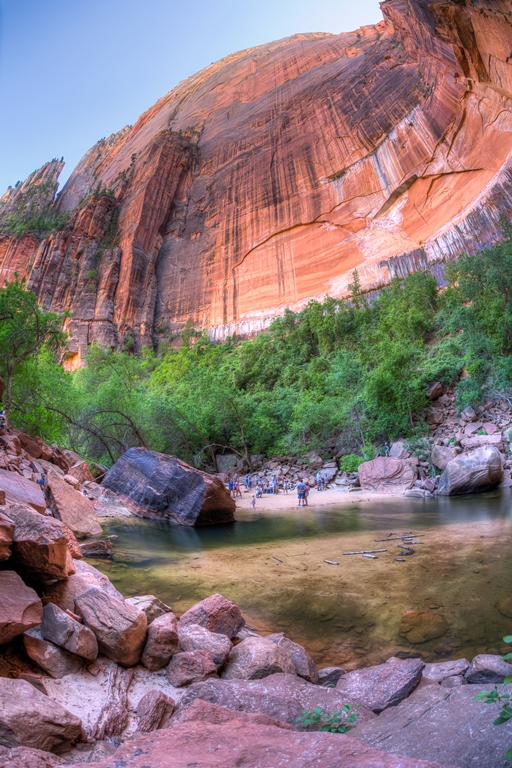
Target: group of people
274,486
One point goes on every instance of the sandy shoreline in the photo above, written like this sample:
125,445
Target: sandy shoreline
327,498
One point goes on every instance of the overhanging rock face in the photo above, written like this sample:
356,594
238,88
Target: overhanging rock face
264,180
161,487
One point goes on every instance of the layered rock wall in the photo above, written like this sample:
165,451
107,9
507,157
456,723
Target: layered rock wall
266,179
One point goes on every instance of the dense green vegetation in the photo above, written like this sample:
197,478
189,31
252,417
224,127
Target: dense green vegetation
348,373
33,212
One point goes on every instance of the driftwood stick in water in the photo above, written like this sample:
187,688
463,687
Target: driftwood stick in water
365,552
399,538
331,562
113,717
277,558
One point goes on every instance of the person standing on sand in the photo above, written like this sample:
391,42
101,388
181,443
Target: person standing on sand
238,492
253,501
306,494
301,489
319,480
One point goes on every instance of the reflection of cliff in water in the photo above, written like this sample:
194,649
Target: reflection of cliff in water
347,612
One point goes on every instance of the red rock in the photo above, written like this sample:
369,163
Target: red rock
251,745
66,592
119,627
154,710
490,428
40,545
21,608
80,470
161,642
442,454
257,657
62,629
471,472
157,486
420,626
384,685
435,391
387,475
206,712
190,667
406,98
304,665
53,660
19,490
6,534
30,719
25,757
217,614
150,605
30,445
193,637
72,507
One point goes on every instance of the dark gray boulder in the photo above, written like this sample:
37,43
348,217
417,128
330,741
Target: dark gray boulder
161,487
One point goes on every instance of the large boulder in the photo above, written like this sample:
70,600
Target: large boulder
442,454
420,626
53,660
470,472
6,536
257,657
26,757
21,608
62,629
19,490
29,718
40,544
444,724
64,593
304,665
240,742
216,613
119,627
161,643
488,668
281,696
190,667
384,685
72,507
158,486
387,475
193,637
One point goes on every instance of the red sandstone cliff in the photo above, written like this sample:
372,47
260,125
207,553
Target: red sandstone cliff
267,178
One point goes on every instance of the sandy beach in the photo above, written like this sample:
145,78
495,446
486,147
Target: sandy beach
327,498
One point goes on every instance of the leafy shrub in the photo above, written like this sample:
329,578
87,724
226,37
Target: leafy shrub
351,462
331,722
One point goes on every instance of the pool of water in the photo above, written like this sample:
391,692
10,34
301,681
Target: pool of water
272,565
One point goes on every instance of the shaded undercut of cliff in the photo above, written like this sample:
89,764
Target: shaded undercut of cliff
264,180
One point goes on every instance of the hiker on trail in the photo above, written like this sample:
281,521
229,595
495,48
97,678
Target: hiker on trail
301,490
306,494
42,482
386,449
319,480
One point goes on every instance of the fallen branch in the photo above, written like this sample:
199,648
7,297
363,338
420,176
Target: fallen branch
366,551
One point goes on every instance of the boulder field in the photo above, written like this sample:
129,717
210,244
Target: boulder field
87,676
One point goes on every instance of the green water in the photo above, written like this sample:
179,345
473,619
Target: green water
461,569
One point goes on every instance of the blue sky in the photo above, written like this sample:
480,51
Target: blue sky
74,71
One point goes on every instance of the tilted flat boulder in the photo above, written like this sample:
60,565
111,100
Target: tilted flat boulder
476,470
60,628
40,544
488,668
384,685
31,719
20,607
193,637
26,757
257,657
64,593
53,660
120,628
444,724
444,669
304,665
387,475
216,613
190,667
72,507
240,742
442,454
161,642
157,486
6,536
19,490
154,710
281,696
150,605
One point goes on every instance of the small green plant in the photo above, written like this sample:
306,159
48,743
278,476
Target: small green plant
481,431
501,699
92,274
351,462
331,722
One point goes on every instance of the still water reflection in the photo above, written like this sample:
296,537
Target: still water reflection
461,570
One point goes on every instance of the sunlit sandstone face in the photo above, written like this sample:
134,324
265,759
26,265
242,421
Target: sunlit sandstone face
266,179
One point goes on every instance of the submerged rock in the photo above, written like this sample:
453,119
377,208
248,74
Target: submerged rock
470,472
157,486
420,626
